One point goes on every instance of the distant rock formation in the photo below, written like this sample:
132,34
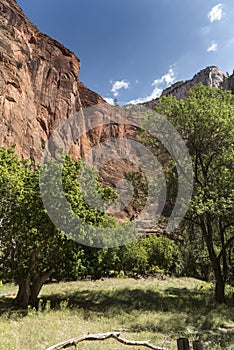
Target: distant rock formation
210,76
228,84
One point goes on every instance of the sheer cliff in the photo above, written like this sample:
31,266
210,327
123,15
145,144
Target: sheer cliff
39,86
40,89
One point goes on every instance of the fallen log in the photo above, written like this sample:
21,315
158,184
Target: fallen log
102,336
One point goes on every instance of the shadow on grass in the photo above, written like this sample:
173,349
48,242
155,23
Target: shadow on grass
126,300
178,309
8,309
194,303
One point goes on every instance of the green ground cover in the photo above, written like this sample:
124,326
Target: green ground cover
159,310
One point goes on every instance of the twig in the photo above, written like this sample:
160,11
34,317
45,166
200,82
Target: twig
102,336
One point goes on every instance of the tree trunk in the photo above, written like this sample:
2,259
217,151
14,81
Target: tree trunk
220,290
224,252
219,280
215,261
23,295
29,290
36,286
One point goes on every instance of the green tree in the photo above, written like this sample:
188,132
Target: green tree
134,258
162,254
32,248
206,122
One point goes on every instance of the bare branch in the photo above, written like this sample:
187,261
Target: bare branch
102,336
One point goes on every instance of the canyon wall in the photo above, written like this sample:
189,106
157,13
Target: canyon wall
39,86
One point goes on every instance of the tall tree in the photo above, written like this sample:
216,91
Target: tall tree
206,122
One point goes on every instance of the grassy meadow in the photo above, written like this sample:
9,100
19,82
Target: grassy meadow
159,310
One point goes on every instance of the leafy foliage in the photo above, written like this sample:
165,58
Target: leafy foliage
206,122
32,248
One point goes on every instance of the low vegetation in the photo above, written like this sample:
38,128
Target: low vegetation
161,310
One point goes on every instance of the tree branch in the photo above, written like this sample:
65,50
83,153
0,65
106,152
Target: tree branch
102,336
226,245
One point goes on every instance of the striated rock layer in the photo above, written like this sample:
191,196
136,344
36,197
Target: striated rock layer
39,86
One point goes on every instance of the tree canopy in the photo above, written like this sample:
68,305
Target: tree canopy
32,248
206,122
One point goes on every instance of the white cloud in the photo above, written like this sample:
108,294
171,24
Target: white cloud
117,85
109,100
213,47
216,13
167,79
155,93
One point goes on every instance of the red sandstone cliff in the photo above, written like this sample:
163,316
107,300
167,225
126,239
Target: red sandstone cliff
39,84
39,90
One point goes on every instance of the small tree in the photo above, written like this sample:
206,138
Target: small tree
32,248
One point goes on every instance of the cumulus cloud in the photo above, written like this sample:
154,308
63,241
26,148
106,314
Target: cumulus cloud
109,100
216,13
166,80
212,47
155,93
117,85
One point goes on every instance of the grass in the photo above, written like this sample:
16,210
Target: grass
159,310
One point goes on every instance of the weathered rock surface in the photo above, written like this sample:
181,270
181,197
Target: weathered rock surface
210,76
40,91
229,83
39,86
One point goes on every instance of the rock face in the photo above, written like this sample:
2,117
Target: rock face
210,76
39,86
40,90
229,83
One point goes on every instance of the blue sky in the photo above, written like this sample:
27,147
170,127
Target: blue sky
131,49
